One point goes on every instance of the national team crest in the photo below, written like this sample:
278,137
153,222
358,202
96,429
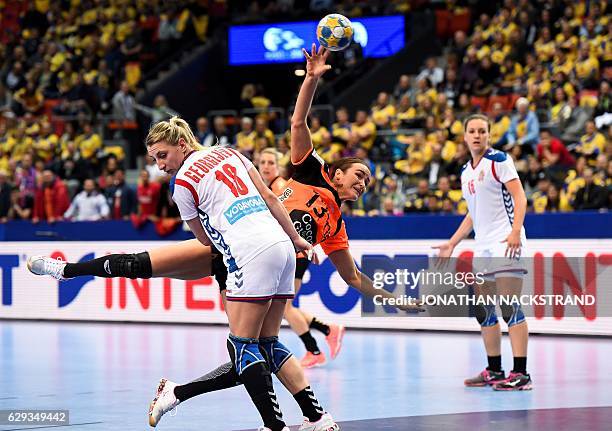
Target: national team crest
481,176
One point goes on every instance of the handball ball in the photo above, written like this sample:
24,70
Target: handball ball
335,32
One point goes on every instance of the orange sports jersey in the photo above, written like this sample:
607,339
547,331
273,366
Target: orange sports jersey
314,205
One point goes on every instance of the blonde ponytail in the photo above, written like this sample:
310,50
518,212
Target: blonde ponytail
171,131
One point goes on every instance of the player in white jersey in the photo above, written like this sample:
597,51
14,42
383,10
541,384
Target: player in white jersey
224,201
496,210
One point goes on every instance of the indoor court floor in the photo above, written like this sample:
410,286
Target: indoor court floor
106,374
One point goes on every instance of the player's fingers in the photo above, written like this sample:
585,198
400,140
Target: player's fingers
314,49
325,53
306,54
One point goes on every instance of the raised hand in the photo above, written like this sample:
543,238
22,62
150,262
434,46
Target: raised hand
315,61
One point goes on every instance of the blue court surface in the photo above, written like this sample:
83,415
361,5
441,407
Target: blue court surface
106,374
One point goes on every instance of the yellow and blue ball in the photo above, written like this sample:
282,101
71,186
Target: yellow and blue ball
335,32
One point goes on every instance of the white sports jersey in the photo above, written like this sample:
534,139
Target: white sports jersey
214,185
490,204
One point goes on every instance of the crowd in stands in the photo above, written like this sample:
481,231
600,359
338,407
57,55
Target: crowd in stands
540,69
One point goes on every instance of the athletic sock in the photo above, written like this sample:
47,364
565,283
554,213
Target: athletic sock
319,326
223,377
494,363
113,265
258,383
310,343
520,365
309,404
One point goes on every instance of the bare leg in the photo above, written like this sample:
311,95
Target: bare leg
298,322
186,260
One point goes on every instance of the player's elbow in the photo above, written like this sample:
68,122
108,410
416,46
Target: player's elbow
297,123
351,278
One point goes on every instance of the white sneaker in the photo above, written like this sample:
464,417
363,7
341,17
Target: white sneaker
326,423
163,402
43,265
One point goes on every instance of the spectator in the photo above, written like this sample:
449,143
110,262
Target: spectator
28,99
524,128
561,110
22,206
365,130
432,72
121,197
262,132
403,88
468,72
203,133
500,124
383,110
51,200
5,196
342,128
556,201
89,205
147,194
553,155
488,78
6,100
591,196
124,105
450,86
604,100
418,201
592,142
222,134
154,172
574,126
25,175
242,140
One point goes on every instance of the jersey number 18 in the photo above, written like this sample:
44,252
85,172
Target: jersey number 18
231,179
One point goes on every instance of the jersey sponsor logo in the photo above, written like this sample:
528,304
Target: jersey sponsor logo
305,225
244,207
204,165
288,192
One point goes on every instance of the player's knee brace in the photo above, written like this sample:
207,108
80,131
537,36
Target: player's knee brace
274,352
485,314
512,314
135,265
244,352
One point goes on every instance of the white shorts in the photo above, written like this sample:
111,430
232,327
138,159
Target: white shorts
268,276
491,261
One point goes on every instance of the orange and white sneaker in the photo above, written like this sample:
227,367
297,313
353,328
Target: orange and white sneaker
334,339
311,360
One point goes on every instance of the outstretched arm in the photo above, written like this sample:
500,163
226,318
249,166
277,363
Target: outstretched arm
301,143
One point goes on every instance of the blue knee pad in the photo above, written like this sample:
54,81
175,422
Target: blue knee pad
275,353
513,314
485,314
244,352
